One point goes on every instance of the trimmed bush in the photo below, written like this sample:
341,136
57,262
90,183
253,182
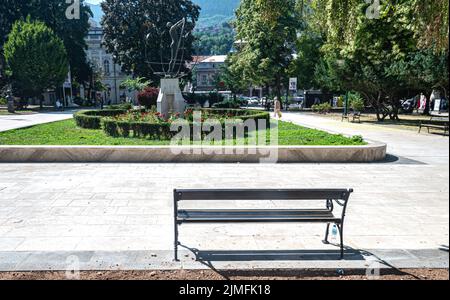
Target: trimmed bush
114,128
201,99
91,119
158,130
228,104
121,106
148,97
3,101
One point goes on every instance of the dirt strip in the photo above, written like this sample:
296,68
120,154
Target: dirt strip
391,274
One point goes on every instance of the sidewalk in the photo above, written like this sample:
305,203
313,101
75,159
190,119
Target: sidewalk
9,122
426,148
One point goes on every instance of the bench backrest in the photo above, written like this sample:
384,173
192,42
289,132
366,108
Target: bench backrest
263,194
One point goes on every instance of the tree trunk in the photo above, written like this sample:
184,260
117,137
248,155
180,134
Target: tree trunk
41,102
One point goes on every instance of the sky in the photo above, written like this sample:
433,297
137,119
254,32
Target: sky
93,1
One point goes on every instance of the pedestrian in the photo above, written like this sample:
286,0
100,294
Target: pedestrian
422,102
277,108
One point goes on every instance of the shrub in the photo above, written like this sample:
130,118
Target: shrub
3,101
321,108
201,99
229,103
121,106
356,102
340,102
148,97
91,119
150,125
83,102
157,131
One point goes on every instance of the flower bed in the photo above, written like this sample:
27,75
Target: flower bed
153,125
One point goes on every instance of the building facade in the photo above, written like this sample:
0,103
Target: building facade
111,73
207,70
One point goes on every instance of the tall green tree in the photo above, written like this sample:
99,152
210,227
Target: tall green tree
267,31
231,77
54,14
137,33
383,57
36,58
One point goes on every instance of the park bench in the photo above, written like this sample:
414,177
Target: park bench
436,123
353,116
320,214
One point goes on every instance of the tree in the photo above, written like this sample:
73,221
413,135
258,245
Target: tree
36,58
53,14
382,58
136,32
267,32
135,84
231,76
307,59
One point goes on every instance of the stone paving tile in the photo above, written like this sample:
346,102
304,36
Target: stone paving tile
46,243
100,207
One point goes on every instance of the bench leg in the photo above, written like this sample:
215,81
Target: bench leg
175,245
341,234
327,232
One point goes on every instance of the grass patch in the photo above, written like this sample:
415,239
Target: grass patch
67,133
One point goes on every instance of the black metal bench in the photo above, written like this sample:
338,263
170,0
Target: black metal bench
325,214
435,123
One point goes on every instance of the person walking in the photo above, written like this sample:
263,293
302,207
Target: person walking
277,108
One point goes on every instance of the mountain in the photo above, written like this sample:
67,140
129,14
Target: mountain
213,12
217,8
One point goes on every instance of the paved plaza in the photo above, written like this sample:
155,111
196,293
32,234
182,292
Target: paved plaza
121,215
9,122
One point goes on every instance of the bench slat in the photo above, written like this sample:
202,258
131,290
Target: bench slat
248,216
267,194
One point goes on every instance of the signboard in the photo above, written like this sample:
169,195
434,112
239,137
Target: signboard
68,82
293,84
437,105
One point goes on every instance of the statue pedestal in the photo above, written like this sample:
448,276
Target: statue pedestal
170,99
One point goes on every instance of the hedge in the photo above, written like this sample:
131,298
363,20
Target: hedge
91,119
161,131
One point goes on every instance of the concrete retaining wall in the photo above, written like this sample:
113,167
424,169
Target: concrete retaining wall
154,154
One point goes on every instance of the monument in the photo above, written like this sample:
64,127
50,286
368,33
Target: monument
170,100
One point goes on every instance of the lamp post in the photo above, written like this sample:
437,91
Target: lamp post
115,79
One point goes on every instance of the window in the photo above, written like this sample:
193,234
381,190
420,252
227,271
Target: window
106,67
204,80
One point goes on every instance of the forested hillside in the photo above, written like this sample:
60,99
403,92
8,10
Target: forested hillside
215,7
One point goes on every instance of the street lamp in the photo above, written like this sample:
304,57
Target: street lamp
115,78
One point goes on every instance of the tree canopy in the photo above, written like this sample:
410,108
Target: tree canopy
53,14
266,30
129,24
398,50
36,58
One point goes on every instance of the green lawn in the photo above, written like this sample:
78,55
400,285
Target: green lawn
67,133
